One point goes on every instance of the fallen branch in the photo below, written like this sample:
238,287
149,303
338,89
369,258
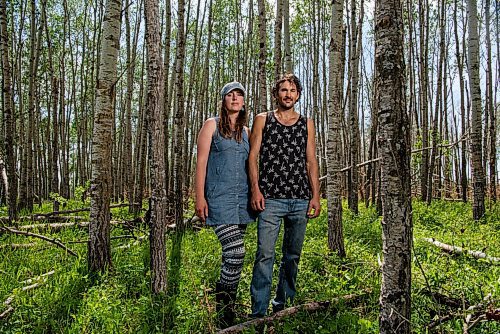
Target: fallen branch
126,236
474,314
9,300
136,242
5,313
447,300
6,220
54,213
19,246
31,280
59,226
460,250
53,226
313,306
39,236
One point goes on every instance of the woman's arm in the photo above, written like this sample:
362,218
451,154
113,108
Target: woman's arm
203,150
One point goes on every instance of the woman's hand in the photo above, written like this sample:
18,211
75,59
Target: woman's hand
201,208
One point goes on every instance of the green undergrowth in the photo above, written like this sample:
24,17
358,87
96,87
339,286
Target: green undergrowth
120,301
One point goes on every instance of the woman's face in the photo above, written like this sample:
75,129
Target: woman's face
234,101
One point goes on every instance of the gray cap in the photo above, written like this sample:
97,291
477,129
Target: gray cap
230,86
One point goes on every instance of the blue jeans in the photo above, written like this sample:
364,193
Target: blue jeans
294,215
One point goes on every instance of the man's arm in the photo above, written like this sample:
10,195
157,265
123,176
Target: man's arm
203,150
312,171
257,200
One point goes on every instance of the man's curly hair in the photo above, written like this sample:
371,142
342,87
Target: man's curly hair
290,77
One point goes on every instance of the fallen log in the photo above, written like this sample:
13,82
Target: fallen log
460,250
310,307
39,236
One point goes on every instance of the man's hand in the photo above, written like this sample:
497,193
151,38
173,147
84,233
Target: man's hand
201,208
257,201
314,208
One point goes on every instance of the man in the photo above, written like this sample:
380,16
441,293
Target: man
285,187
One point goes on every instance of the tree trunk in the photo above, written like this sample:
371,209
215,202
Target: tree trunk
423,66
463,160
333,148
277,38
490,106
154,108
395,150
179,121
99,252
354,135
8,114
286,36
439,86
478,208
262,56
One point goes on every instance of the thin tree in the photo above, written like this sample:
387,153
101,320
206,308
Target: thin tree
490,106
99,252
278,25
478,179
463,160
333,148
286,37
262,55
439,86
423,15
154,109
8,115
354,135
394,151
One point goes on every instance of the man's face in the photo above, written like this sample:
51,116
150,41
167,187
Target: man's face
287,95
234,100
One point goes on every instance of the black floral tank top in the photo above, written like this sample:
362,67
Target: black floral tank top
282,166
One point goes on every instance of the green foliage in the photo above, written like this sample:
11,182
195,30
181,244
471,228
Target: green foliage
120,301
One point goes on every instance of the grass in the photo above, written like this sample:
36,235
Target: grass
120,301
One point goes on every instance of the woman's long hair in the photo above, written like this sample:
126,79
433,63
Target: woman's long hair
225,127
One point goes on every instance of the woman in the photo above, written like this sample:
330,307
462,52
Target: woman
222,191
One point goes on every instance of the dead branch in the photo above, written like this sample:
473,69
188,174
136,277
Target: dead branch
474,313
5,313
29,234
19,246
442,320
6,220
59,226
31,280
9,300
447,300
53,226
310,307
117,237
460,250
54,213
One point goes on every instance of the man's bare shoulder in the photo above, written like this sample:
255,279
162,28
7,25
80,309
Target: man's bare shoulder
260,119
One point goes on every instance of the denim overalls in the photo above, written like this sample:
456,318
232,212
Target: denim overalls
226,182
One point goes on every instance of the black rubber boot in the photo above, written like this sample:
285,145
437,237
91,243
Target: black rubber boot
225,299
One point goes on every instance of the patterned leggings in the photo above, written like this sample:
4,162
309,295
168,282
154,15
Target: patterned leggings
233,253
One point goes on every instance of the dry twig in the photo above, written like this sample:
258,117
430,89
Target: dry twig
39,236
313,306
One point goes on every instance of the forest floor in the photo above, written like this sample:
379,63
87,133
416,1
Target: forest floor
460,289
